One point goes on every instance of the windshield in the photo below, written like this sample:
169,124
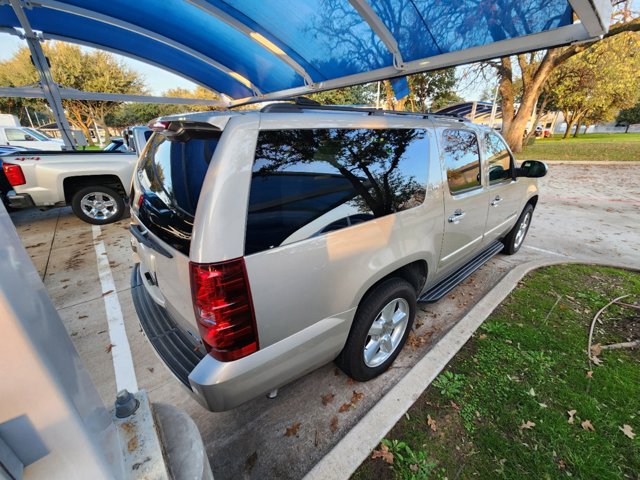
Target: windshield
37,134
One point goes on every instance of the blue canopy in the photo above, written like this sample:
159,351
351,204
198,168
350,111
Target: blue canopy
251,50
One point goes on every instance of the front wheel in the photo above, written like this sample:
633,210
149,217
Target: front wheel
380,329
98,205
514,239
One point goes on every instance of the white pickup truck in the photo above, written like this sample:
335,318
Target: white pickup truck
94,183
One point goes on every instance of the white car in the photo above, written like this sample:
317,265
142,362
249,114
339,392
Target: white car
28,138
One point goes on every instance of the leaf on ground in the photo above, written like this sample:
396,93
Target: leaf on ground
104,294
432,424
333,425
596,349
586,425
292,431
532,392
596,360
414,467
327,399
561,464
628,431
455,406
482,336
109,348
350,381
590,374
345,407
528,425
356,397
384,454
572,413
150,369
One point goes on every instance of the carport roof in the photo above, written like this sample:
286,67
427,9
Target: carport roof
253,50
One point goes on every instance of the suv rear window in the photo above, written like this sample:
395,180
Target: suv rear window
309,182
171,174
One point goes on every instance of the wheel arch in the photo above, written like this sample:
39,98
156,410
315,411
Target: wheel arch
71,185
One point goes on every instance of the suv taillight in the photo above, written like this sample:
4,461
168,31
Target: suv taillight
14,174
223,308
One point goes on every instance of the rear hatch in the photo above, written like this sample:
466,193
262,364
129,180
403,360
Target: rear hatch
167,185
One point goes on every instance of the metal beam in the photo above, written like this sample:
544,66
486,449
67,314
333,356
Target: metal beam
595,15
72,94
255,36
99,17
560,36
49,86
378,26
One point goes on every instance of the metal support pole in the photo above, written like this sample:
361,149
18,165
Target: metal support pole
494,107
49,86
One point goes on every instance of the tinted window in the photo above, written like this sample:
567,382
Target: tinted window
309,182
171,174
462,160
498,159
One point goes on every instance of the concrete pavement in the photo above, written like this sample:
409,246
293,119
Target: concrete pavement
588,213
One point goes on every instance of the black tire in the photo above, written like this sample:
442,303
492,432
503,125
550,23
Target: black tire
351,360
513,242
84,215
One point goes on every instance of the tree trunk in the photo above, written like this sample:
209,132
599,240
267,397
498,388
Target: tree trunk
103,124
626,130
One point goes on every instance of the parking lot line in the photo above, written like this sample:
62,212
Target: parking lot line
120,350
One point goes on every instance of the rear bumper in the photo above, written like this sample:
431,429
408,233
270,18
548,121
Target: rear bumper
220,386
19,200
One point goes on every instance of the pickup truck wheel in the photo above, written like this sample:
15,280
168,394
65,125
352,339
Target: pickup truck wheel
515,238
98,205
379,331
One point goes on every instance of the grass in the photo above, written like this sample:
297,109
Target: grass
593,146
528,363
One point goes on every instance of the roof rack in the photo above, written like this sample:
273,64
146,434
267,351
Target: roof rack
302,103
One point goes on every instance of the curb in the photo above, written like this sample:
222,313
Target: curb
347,455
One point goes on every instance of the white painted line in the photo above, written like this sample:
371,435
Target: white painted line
120,350
547,251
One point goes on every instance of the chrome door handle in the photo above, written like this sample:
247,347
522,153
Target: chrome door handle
457,216
496,201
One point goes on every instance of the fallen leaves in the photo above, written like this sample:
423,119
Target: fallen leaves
292,431
590,374
384,454
596,349
333,425
455,406
572,413
355,398
482,336
586,425
628,431
109,347
432,424
528,425
327,399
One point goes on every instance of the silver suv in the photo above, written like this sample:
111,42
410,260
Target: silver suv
271,242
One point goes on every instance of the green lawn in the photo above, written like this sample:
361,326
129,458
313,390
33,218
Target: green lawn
594,146
500,408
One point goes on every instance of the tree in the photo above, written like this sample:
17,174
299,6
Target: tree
199,92
629,116
593,85
356,95
73,67
535,69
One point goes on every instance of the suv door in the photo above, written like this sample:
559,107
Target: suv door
465,199
505,198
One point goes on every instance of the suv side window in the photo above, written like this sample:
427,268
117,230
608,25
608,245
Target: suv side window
309,182
499,159
462,160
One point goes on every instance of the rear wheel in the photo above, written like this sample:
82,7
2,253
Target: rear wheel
98,205
515,238
380,329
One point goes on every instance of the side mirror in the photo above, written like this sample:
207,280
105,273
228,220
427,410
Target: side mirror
532,169
29,138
